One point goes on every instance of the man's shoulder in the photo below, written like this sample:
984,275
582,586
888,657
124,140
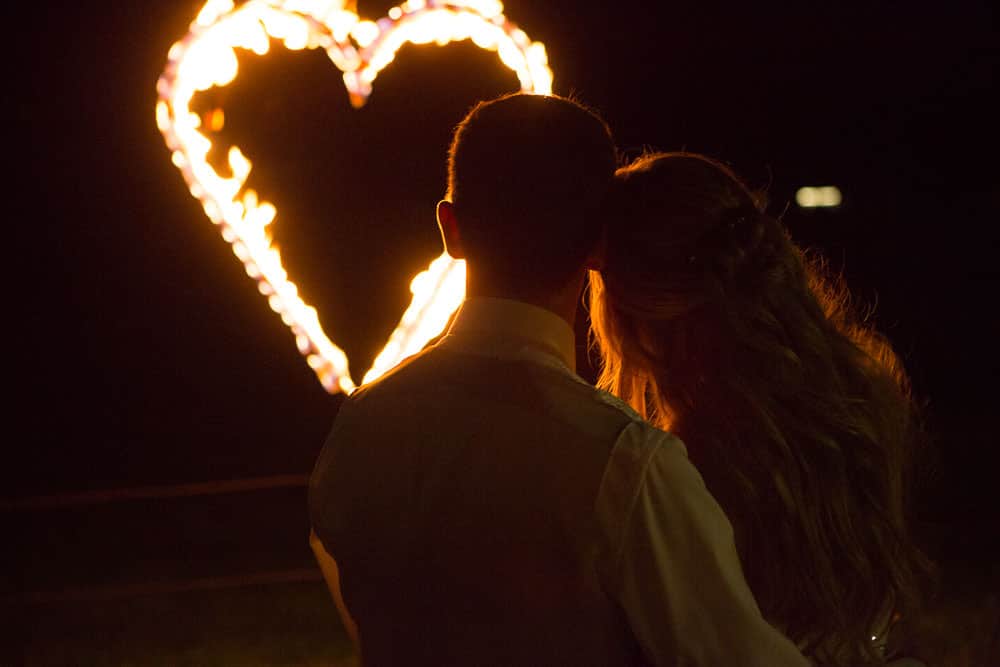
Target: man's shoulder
405,372
576,395
442,376
632,431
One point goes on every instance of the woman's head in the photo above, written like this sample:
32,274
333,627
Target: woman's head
713,323
689,243
685,210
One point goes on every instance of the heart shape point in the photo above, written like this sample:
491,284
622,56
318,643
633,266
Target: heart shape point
206,58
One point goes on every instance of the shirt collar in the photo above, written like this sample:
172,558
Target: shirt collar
497,326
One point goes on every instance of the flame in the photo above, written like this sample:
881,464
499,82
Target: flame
206,58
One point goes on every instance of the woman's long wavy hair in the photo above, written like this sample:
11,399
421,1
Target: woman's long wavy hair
711,322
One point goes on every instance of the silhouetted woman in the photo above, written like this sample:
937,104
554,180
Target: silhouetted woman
714,325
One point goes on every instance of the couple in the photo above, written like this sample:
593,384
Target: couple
734,497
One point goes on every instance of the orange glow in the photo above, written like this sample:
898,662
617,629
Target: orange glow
206,58
215,120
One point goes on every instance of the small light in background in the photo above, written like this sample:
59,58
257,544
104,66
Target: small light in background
827,196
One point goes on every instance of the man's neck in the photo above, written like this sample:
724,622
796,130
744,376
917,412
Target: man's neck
563,302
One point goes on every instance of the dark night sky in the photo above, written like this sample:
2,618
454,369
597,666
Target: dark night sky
145,355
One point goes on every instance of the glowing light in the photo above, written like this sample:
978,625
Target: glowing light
206,58
827,196
216,120
365,32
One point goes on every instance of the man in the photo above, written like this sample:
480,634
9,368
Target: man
481,504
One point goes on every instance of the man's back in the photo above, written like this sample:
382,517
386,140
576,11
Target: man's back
486,506
458,497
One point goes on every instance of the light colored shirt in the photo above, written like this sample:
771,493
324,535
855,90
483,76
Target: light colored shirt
487,506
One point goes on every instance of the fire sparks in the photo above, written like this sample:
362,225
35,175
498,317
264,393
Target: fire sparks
206,58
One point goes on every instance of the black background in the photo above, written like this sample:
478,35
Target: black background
144,355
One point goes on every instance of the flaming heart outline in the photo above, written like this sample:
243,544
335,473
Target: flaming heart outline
206,57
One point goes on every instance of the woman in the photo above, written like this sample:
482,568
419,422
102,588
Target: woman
714,325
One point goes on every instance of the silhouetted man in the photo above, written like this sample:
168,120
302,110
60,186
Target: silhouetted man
483,505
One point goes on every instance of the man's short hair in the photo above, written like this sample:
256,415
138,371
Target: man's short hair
527,175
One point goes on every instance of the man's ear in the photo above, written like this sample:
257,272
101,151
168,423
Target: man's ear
449,229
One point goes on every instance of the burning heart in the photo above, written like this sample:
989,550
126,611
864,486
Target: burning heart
206,57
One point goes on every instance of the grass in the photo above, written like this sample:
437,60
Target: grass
278,624
296,624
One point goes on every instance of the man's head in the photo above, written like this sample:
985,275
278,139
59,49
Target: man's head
527,175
